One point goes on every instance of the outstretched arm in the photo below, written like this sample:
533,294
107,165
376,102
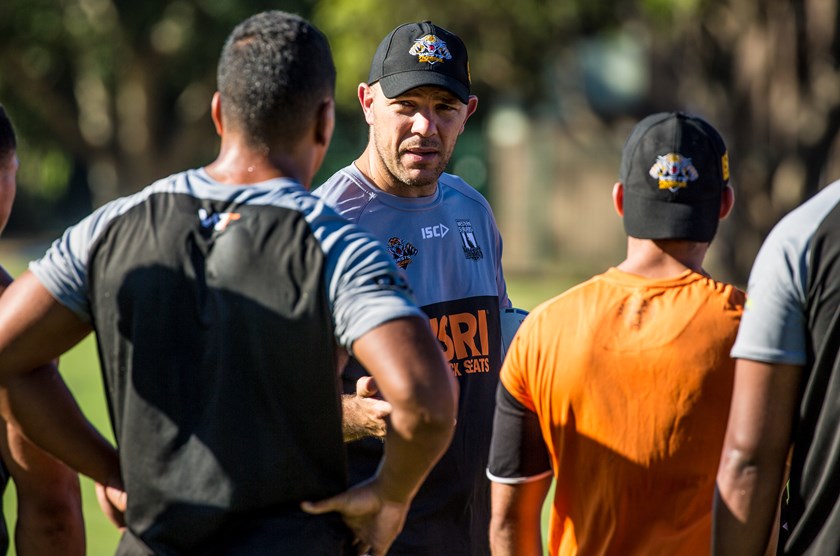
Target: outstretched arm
758,437
409,369
34,330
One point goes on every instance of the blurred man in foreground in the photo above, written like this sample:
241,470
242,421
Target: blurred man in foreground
219,297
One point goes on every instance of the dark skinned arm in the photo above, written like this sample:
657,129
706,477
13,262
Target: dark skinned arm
752,466
409,369
34,330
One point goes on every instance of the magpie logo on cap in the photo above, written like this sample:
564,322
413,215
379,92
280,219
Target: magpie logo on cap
430,49
673,171
421,54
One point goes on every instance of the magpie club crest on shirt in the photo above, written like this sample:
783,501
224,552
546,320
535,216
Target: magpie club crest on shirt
472,250
402,251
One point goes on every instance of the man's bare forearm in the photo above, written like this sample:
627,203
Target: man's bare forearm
755,449
49,501
423,400
40,406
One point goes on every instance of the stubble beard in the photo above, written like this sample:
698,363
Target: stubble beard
402,175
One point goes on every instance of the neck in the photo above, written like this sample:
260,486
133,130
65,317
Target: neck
663,258
372,167
242,164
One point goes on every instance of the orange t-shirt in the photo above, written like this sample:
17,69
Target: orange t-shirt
631,380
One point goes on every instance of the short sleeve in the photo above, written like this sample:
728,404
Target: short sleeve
773,325
364,286
63,270
518,453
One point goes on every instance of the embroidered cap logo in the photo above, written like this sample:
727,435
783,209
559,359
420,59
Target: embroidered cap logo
673,171
430,49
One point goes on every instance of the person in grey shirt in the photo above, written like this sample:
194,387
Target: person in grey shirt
442,234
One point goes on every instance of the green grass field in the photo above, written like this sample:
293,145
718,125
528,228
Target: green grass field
80,369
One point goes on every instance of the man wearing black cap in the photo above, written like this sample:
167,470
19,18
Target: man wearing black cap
620,387
442,233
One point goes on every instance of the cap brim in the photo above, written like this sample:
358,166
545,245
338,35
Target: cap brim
398,83
647,218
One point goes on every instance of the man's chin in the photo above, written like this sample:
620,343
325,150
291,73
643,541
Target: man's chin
421,181
421,176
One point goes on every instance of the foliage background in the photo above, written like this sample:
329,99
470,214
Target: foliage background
109,95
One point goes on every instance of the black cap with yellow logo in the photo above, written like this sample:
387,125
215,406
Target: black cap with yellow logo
419,54
674,168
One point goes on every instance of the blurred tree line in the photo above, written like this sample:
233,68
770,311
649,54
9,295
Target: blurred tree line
109,95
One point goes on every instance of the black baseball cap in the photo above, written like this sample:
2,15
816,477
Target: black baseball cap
674,168
418,54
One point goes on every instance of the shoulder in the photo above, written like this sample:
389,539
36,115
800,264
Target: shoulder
791,237
454,185
564,306
730,296
782,262
347,191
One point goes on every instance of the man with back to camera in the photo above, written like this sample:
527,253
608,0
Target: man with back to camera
213,294
443,235
784,405
620,387
49,509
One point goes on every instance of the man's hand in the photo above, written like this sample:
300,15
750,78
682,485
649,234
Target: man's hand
112,502
375,522
364,414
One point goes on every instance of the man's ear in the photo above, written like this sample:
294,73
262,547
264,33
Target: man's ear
325,122
216,112
365,93
618,198
727,201
472,104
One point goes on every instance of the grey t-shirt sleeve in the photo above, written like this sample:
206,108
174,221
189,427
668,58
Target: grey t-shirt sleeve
63,268
364,286
773,327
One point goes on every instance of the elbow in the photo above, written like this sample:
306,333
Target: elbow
736,464
440,411
429,412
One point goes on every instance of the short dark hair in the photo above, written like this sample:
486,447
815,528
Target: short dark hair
8,142
274,69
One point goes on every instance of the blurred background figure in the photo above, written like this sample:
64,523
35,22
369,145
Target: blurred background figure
49,511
